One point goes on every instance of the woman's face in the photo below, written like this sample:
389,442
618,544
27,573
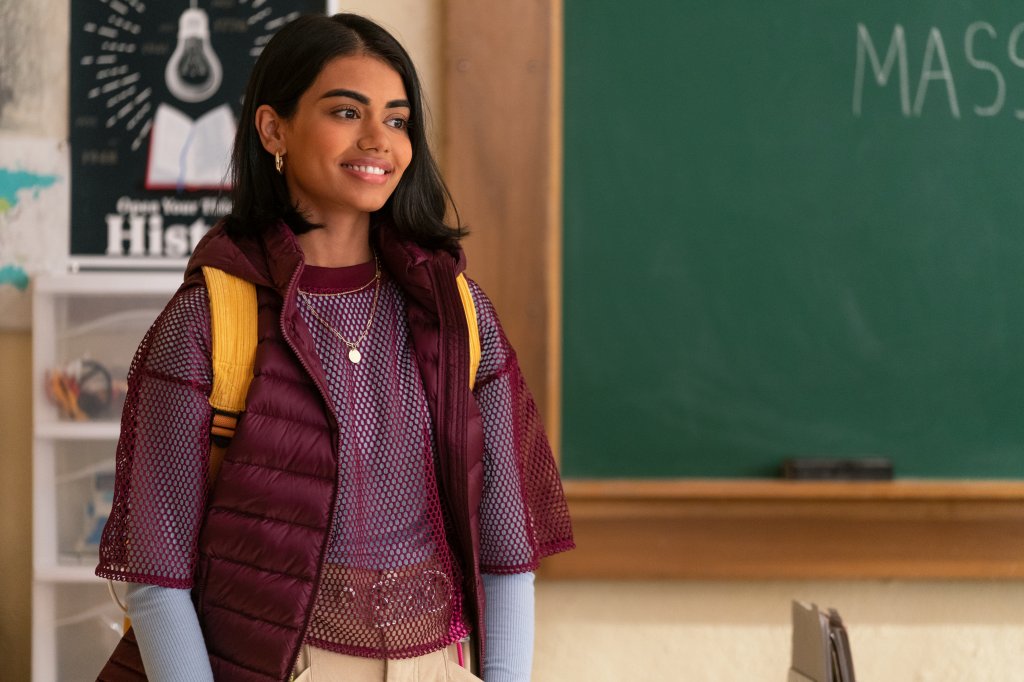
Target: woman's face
347,144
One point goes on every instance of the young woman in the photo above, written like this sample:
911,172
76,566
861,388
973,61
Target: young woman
370,499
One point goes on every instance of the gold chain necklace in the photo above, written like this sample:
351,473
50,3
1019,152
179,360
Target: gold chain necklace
354,355
338,294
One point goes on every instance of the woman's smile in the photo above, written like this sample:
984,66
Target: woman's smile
374,171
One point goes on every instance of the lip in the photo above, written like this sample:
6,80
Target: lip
352,167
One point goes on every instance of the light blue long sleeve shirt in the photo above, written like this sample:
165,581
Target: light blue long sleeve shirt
173,650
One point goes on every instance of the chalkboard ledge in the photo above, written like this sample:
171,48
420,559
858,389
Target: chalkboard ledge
770,529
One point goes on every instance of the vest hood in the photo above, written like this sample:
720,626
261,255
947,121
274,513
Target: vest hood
271,258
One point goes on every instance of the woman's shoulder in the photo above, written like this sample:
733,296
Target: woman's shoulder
189,304
486,315
181,333
496,351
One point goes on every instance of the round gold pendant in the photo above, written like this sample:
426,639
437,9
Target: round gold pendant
354,355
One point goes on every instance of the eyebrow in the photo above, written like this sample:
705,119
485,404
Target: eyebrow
363,99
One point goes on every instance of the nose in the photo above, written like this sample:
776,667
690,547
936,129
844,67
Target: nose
373,138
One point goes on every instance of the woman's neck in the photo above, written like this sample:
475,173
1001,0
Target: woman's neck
338,243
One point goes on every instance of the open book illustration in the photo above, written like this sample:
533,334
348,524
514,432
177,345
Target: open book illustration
187,154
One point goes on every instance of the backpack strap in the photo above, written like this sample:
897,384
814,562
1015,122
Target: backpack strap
233,311
474,328
233,332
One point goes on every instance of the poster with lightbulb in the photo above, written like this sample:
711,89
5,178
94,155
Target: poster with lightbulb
155,94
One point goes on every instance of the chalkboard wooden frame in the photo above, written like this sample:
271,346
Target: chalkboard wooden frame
669,529
754,529
502,160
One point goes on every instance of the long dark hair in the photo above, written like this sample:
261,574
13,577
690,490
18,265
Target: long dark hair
287,67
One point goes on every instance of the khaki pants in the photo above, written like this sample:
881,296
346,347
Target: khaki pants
320,665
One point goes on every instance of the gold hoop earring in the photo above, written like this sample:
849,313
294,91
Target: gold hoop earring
279,163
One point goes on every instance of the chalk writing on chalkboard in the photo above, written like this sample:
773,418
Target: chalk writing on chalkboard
979,37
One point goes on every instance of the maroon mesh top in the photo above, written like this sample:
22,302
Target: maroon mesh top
391,586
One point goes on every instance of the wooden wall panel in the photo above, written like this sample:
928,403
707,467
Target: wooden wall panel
501,146
16,504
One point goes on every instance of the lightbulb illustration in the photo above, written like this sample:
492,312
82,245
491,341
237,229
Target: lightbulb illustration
193,73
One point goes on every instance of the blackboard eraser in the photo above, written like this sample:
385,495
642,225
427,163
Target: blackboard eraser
837,469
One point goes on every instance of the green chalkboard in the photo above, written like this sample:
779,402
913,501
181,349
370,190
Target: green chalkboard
793,229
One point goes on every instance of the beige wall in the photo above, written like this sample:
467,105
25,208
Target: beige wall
33,66
737,632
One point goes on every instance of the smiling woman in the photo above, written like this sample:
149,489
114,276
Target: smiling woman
389,467
315,89
342,153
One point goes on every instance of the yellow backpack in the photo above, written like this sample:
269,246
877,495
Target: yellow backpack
233,332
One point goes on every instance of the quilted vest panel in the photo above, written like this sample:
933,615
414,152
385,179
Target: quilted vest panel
268,517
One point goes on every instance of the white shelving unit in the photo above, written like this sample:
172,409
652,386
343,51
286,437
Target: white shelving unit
99,317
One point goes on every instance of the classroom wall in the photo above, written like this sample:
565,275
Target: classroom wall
903,631
736,632
15,502
33,86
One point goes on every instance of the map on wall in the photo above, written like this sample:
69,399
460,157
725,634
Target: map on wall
156,89
33,219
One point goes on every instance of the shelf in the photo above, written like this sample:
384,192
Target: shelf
62,430
109,283
68,574
85,265
98,315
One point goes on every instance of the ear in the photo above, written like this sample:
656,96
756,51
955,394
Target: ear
271,128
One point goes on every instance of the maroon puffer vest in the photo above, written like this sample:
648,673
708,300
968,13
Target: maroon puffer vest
266,528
